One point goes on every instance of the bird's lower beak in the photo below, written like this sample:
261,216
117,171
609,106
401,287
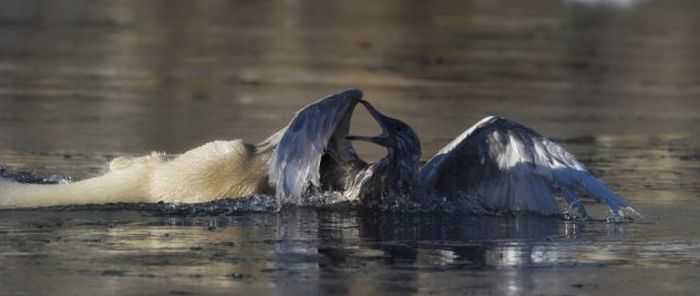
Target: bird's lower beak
379,117
376,139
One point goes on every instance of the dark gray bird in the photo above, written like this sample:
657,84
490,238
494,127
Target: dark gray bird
499,164
393,177
495,165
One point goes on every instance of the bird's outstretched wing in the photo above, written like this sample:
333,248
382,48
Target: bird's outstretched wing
313,150
510,167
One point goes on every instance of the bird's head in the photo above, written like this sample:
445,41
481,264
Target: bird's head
392,179
397,137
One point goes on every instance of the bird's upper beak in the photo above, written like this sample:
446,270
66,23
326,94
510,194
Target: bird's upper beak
383,138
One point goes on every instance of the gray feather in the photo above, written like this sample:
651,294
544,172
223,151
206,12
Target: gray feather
510,167
316,133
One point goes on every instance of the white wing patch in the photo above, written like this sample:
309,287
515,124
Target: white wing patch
510,167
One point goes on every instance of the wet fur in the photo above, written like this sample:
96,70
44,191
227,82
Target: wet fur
219,169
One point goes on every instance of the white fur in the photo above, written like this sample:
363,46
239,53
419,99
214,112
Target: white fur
219,169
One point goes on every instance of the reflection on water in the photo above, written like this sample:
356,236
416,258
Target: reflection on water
617,82
320,252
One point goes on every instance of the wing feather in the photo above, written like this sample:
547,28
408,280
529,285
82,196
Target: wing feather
510,167
316,131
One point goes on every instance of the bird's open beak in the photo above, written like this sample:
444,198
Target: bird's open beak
383,138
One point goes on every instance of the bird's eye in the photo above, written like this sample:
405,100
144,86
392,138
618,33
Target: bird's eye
397,128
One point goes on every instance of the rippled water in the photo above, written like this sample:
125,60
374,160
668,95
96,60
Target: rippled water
617,82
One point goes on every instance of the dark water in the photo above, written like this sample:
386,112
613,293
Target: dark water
617,82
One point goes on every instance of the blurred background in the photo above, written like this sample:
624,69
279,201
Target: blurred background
134,76
617,82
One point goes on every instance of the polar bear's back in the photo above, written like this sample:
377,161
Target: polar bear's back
218,169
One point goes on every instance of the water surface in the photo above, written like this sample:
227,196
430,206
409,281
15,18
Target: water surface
616,82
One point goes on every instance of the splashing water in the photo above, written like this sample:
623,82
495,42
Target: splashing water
269,203
31,177
464,203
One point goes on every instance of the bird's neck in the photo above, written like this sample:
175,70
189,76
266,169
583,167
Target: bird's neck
402,165
391,177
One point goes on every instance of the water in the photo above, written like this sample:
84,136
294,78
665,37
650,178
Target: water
616,82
